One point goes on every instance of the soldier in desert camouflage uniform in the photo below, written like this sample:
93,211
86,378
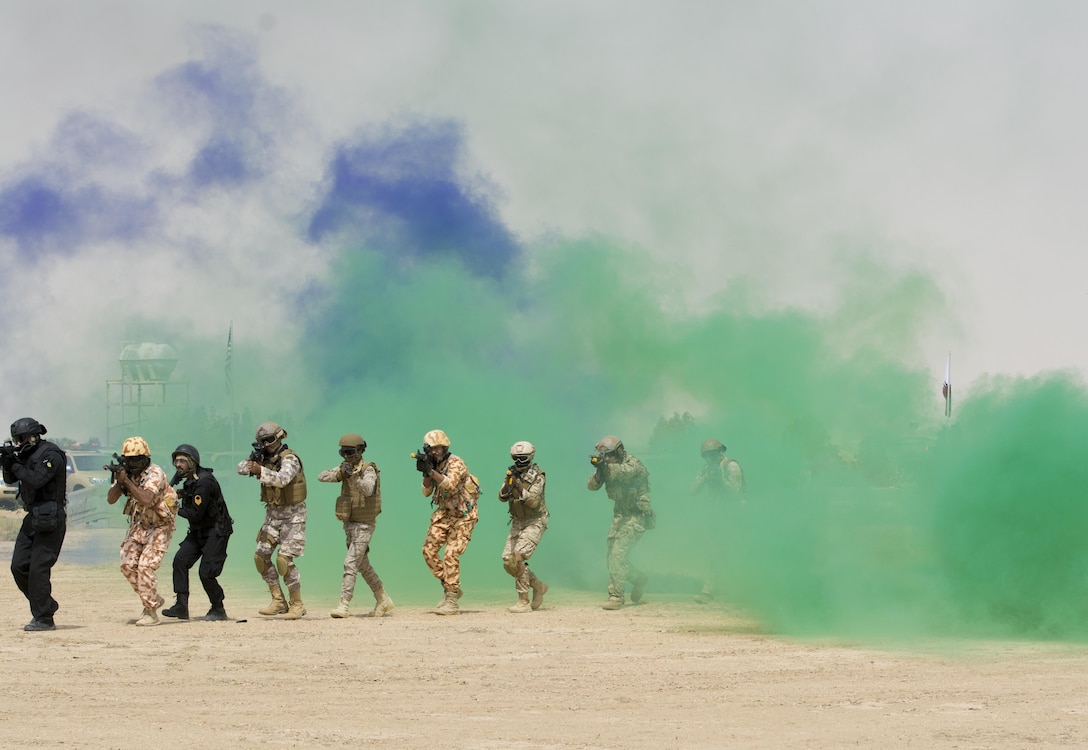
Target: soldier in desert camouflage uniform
523,491
151,505
283,491
723,481
627,484
453,492
358,507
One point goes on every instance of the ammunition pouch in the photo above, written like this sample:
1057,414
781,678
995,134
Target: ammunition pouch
343,507
45,516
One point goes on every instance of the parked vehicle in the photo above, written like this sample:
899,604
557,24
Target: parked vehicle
85,470
9,494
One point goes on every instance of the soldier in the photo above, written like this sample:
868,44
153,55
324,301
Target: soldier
358,507
151,506
723,480
523,491
39,467
283,491
627,484
453,492
210,527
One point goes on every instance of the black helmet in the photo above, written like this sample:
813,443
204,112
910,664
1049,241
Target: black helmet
187,450
26,428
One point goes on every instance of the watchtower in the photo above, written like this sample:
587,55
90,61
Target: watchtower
144,391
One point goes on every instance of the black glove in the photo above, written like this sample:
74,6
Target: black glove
7,460
424,463
345,468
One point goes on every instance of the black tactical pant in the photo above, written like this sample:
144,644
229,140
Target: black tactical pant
35,554
210,547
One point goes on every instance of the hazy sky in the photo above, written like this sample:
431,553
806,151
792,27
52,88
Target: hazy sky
768,141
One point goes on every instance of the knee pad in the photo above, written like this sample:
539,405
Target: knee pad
510,564
283,564
262,562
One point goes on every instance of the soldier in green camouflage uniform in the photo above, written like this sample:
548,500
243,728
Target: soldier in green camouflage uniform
627,484
523,492
358,507
723,481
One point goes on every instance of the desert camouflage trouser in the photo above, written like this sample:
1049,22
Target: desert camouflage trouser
520,546
453,530
357,561
142,552
284,527
622,538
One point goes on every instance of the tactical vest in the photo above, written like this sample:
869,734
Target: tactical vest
628,491
521,511
295,491
353,505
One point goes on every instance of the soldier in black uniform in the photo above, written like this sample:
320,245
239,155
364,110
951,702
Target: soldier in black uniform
210,527
39,467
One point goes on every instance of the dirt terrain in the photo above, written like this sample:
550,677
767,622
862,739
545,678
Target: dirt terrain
665,674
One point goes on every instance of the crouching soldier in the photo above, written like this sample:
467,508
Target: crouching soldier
210,527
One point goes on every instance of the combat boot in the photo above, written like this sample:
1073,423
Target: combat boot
448,606
383,604
539,590
278,605
341,609
149,617
216,613
638,588
297,609
522,606
180,609
614,602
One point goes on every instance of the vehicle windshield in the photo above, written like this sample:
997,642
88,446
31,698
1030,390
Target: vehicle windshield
91,463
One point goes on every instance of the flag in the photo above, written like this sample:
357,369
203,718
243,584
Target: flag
228,366
946,391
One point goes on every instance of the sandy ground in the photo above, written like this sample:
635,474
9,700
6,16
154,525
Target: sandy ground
665,674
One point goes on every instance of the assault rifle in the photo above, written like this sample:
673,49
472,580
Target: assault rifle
116,466
424,462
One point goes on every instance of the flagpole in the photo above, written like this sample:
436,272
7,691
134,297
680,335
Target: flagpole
947,390
228,368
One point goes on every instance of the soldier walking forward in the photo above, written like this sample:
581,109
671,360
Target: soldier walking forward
283,491
523,492
358,507
453,492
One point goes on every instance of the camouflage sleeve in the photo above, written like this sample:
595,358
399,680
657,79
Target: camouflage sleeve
166,497
628,472
595,482
455,475
700,480
289,469
243,467
365,481
330,475
733,477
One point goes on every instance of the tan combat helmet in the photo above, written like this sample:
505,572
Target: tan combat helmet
522,453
